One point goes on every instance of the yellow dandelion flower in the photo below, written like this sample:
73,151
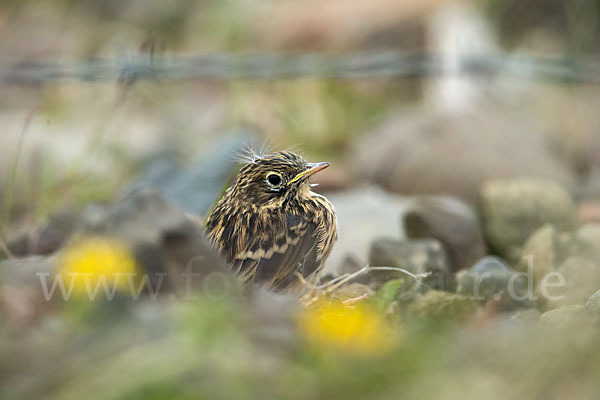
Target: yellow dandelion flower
94,266
333,325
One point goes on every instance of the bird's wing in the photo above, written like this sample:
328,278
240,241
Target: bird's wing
275,259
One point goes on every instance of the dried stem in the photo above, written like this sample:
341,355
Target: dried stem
329,287
4,247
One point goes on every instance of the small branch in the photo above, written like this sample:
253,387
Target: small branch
332,285
329,287
355,299
415,277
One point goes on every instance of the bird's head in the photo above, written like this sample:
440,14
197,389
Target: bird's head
278,175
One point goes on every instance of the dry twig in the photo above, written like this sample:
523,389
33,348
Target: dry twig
315,292
4,247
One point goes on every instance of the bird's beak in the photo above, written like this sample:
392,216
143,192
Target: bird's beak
313,168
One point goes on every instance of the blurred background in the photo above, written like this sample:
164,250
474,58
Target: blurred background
99,98
415,97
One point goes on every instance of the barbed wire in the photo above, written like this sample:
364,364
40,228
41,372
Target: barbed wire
374,65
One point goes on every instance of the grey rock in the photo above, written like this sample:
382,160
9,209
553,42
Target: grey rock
450,221
142,215
581,280
164,241
22,297
442,306
561,316
349,265
547,248
593,303
163,237
25,271
491,280
415,256
512,209
542,252
573,256
47,238
363,215
588,239
196,187
425,152
589,234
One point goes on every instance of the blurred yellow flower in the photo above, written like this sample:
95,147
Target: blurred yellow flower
356,329
92,265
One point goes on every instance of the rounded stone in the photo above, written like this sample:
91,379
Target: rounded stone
561,316
581,279
593,303
416,256
450,221
540,252
512,209
491,280
442,306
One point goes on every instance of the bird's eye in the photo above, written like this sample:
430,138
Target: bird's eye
273,179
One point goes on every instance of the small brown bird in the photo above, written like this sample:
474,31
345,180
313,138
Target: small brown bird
270,226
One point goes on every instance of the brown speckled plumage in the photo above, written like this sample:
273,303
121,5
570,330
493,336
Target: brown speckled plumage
270,225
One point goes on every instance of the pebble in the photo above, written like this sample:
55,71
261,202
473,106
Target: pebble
593,303
451,222
561,316
491,280
439,305
513,209
416,256
427,152
581,280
